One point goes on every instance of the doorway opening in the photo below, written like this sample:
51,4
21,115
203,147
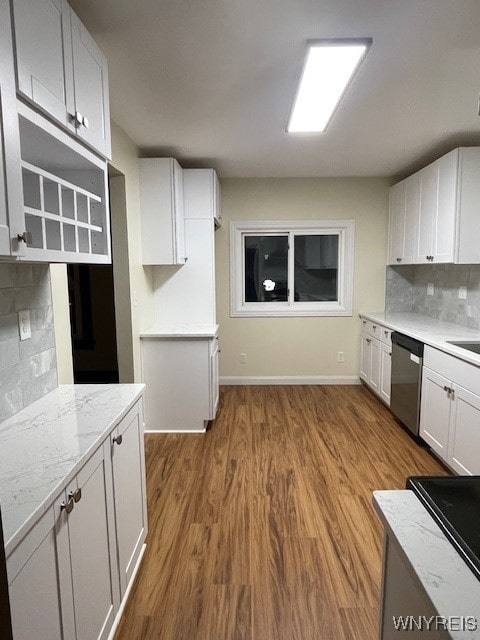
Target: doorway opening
100,304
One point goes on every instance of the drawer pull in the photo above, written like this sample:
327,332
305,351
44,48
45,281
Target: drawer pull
369,340
26,237
68,506
76,495
118,439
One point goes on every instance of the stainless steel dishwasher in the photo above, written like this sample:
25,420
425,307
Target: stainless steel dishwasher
407,359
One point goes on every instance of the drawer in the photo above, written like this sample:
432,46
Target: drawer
377,330
463,373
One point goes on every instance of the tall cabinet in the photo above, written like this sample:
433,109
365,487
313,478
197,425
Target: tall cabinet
180,352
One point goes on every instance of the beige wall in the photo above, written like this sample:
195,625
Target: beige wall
303,346
133,281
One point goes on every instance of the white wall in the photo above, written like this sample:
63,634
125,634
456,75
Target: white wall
303,346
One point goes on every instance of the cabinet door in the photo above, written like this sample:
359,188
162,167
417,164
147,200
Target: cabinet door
435,411
375,360
412,208
214,387
365,348
92,549
161,210
44,55
444,233
464,443
385,372
11,197
428,212
128,464
91,89
396,223
40,581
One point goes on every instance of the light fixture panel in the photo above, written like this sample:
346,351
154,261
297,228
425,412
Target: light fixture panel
328,70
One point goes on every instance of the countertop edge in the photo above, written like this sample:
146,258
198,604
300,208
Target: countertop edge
449,584
457,333
184,331
35,516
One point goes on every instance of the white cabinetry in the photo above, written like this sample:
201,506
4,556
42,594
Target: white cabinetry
68,574
11,216
61,70
128,463
202,194
435,212
450,410
181,374
161,209
375,358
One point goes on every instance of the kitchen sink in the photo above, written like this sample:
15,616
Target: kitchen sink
469,346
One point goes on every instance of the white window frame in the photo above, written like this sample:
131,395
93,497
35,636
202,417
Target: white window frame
345,229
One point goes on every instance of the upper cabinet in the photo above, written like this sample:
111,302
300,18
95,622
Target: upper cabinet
202,195
61,70
434,214
11,215
162,211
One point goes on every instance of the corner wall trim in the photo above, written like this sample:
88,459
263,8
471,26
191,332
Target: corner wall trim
258,380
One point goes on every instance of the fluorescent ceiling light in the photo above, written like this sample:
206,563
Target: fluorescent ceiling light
329,67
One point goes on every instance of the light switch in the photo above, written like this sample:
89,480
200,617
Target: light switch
462,293
24,326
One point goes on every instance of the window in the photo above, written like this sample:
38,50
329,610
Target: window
291,268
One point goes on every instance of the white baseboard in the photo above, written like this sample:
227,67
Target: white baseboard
258,380
160,431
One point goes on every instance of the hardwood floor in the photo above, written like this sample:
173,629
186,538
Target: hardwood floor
263,528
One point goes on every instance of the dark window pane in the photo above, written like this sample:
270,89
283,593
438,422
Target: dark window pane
266,268
316,268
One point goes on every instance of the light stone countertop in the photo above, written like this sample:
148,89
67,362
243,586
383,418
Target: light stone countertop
181,331
435,333
43,446
448,582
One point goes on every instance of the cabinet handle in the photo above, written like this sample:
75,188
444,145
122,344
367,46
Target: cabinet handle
118,439
26,237
368,340
68,506
364,321
78,118
374,326
452,394
399,259
76,495
85,122
386,332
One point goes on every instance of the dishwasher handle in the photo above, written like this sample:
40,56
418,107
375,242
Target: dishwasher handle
410,344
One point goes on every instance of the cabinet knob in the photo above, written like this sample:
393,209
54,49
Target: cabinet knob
368,340
118,439
76,495
26,237
374,326
68,505
399,259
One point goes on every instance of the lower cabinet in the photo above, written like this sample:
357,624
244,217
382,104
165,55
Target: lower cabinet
69,573
128,462
450,412
181,377
375,358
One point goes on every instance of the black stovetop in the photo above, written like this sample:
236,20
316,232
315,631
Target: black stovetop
454,502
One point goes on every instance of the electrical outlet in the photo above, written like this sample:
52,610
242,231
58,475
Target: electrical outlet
243,358
430,289
462,293
24,326
340,356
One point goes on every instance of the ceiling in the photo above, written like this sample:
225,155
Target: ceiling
211,82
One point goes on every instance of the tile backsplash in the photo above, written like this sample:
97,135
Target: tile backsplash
28,368
406,290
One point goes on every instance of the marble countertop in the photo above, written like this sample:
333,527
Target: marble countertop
181,331
43,446
430,331
448,582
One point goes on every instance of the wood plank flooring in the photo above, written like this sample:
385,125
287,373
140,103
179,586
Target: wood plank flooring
263,528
